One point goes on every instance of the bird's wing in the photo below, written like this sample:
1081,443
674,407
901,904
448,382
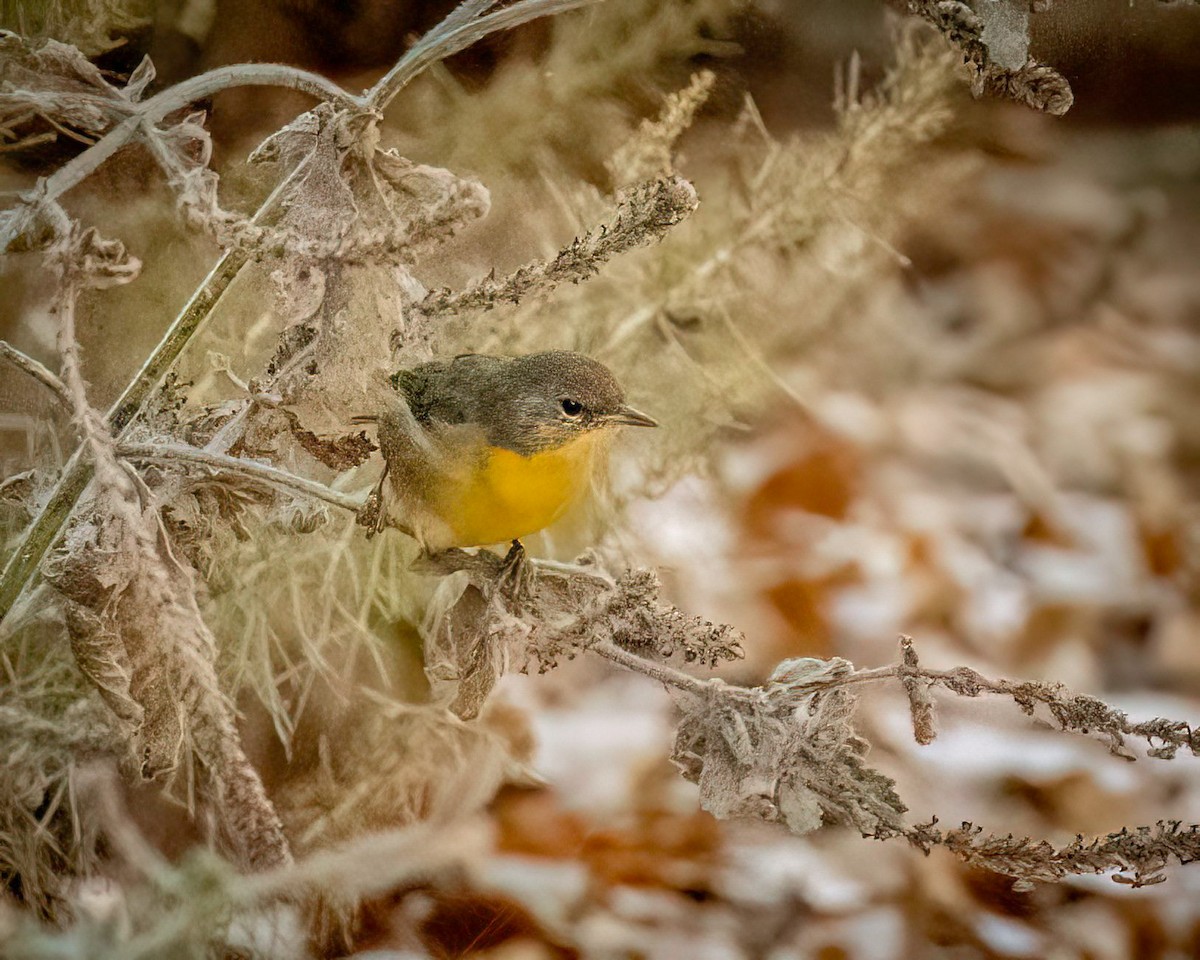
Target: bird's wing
432,430
458,391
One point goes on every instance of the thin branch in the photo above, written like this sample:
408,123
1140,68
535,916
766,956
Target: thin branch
660,671
48,136
644,215
458,31
37,370
1074,712
179,96
251,469
247,75
66,131
1144,851
97,438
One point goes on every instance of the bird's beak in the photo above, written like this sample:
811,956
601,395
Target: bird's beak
632,418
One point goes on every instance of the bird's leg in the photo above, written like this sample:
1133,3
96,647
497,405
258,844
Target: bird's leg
517,575
373,514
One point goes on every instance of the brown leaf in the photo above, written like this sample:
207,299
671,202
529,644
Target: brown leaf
338,453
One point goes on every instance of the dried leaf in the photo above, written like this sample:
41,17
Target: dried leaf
783,751
338,453
920,703
135,616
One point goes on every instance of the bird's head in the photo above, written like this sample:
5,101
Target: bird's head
557,397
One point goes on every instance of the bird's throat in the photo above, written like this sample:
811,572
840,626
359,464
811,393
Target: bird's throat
511,495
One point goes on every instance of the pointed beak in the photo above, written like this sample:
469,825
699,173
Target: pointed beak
632,418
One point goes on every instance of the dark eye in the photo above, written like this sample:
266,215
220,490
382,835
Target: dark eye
572,408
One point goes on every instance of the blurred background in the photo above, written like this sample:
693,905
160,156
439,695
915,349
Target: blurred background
950,393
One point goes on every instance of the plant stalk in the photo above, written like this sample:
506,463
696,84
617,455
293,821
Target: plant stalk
41,535
464,26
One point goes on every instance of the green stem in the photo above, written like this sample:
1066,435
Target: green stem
40,535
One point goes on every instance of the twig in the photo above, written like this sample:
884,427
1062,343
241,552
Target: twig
183,94
1144,850
96,436
47,136
659,671
67,131
1078,713
252,469
1075,712
463,27
37,370
644,215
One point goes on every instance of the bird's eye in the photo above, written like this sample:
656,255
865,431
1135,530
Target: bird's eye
572,408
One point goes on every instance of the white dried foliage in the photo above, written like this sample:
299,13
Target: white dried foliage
56,82
786,752
352,200
473,636
132,617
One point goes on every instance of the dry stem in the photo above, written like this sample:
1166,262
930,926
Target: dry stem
644,215
37,370
238,466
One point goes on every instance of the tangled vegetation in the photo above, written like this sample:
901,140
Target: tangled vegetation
152,642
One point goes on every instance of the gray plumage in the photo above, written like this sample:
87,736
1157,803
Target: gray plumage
449,414
524,404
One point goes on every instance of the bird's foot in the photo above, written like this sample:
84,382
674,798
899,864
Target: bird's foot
373,513
517,577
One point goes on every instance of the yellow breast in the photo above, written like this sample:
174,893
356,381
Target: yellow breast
512,496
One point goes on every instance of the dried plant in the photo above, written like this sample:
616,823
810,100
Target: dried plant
156,547
786,751
994,40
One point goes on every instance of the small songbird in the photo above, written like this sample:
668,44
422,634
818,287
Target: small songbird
483,449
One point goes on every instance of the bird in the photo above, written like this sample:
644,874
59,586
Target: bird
483,449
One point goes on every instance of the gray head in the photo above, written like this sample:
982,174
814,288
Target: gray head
547,399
